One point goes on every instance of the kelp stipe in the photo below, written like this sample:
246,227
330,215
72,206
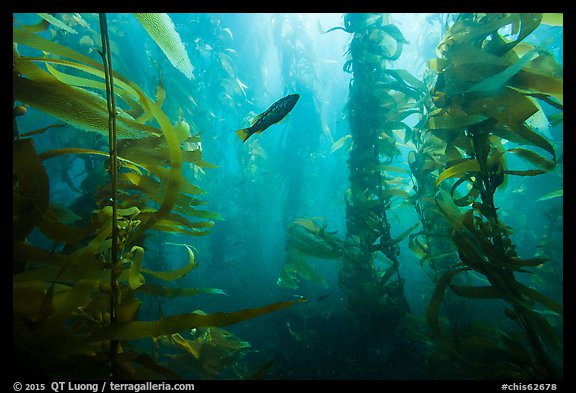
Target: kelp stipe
485,93
65,317
380,99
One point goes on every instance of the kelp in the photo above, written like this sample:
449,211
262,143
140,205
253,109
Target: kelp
485,93
126,331
75,311
162,30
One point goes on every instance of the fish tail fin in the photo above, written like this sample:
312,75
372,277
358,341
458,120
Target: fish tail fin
244,134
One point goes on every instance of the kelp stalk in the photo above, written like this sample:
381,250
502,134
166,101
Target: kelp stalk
113,170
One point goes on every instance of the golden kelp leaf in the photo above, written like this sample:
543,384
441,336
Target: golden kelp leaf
433,309
308,224
340,143
74,80
162,30
135,279
24,37
57,23
295,267
192,347
476,292
78,296
151,364
79,108
27,298
533,158
547,334
554,194
41,130
127,311
121,87
175,274
182,131
454,120
527,172
76,150
175,223
507,106
540,298
126,331
31,191
553,19
35,28
458,170
401,237
417,248
395,192
55,227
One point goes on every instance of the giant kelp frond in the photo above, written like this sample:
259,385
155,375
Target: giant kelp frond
487,93
307,238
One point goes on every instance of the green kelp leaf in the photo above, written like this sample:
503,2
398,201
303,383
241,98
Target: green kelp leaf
554,194
458,170
171,275
126,331
162,30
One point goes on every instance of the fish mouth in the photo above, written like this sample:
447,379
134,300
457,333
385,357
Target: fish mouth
294,97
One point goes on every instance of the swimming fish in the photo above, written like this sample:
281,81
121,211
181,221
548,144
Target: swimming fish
270,116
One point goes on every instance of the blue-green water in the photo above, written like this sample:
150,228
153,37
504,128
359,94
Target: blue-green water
242,64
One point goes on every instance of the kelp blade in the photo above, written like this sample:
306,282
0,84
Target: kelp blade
126,331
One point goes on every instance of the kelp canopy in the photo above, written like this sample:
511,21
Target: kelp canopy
75,311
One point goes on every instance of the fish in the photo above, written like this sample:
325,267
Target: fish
270,116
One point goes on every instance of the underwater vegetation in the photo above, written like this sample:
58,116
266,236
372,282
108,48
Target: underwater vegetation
75,305
398,201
